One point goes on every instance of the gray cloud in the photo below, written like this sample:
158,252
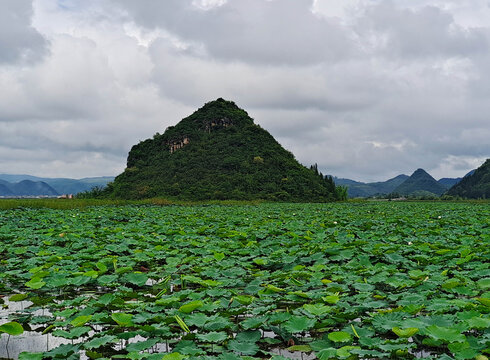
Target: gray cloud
19,41
255,31
427,31
368,91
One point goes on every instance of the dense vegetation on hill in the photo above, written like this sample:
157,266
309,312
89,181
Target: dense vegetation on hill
420,183
475,185
219,153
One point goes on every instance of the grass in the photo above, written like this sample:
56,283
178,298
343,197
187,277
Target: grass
6,204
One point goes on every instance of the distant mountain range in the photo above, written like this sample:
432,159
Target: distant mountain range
26,188
419,183
360,189
28,185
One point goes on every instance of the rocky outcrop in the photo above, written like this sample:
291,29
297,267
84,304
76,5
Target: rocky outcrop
178,144
217,124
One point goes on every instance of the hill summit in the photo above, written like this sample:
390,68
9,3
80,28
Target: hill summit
475,185
219,153
420,182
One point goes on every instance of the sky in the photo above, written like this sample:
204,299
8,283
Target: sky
367,89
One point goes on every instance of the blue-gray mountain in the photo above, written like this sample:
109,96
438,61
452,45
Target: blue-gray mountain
360,189
421,183
28,185
26,188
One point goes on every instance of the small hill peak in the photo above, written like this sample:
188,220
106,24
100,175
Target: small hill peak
421,172
219,153
420,182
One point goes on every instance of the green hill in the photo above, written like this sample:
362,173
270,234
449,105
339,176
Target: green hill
474,186
218,153
420,182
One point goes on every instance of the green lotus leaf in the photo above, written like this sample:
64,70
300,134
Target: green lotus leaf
95,343
80,320
299,293
213,337
331,299
30,356
101,266
445,334
484,283
274,288
405,333
122,319
339,336
141,345
317,309
210,283
326,354
35,283
219,256
173,356
297,324
74,333
485,301
243,348
345,351
191,306
92,273
18,297
300,348
260,261
417,274
462,350
107,279
479,322
244,299
197,319
138,279
451,283
12,328
252,323
249,336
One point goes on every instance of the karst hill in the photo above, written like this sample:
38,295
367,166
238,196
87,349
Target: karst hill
219,153
475,185
420,182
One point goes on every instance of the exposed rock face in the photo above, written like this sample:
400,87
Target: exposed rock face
219,123
178,144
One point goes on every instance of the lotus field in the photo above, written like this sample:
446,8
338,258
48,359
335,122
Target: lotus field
372,280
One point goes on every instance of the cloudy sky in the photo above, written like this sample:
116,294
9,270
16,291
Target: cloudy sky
368,89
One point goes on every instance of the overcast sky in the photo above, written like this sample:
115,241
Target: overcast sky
368,89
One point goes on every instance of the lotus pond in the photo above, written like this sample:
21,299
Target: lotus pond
328,281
